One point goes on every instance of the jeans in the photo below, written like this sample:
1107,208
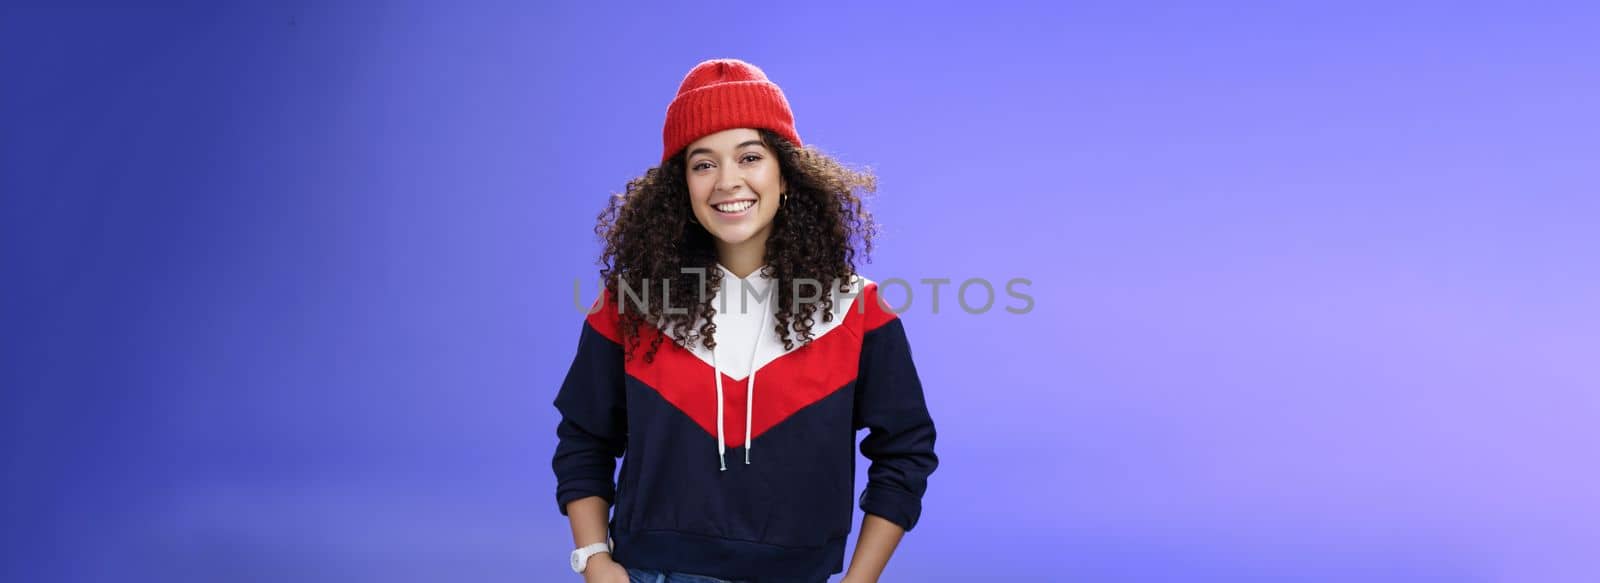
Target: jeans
652,576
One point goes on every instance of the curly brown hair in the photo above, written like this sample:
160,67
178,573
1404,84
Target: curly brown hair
817,234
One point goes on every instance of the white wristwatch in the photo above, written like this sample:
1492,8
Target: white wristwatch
580,557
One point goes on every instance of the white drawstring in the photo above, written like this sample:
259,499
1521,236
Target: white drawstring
750,388
749,394
722,444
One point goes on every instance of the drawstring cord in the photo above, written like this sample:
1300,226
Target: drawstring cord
749,395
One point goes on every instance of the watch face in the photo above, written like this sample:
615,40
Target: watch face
575,566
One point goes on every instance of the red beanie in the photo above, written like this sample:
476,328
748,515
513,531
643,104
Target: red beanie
722,94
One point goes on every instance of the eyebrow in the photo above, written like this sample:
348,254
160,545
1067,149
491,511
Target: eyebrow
738,147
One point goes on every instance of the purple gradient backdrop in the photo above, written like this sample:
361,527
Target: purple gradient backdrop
287,287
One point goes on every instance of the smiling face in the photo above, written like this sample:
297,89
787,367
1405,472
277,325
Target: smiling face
734,186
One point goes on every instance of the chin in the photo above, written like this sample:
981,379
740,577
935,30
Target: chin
733,238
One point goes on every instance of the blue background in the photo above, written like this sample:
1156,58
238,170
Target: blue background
288,287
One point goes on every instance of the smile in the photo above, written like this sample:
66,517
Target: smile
735,207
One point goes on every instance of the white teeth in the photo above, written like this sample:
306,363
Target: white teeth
734,207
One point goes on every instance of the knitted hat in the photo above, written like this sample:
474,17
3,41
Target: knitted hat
722,94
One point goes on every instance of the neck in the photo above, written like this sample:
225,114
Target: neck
744,258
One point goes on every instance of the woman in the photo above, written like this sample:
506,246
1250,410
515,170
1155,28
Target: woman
733,263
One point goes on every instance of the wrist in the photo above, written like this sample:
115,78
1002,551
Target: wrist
600,564
585,557
601,569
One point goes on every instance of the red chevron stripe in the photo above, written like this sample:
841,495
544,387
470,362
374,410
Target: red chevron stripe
784,386
603,318
873,308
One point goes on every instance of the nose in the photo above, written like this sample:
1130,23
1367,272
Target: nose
729,179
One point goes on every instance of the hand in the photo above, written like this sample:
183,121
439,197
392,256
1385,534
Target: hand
601,569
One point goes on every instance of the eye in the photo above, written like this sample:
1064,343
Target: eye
750,158
701,165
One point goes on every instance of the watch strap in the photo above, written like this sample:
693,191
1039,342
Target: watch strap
580,557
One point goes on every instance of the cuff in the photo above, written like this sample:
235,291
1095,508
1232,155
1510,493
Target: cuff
579,489
901,508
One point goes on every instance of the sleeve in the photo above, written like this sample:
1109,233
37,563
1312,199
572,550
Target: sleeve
890,404
593,429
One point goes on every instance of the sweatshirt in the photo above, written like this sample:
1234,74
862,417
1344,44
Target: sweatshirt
694,493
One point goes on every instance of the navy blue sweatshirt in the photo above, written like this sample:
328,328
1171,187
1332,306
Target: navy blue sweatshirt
759,483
